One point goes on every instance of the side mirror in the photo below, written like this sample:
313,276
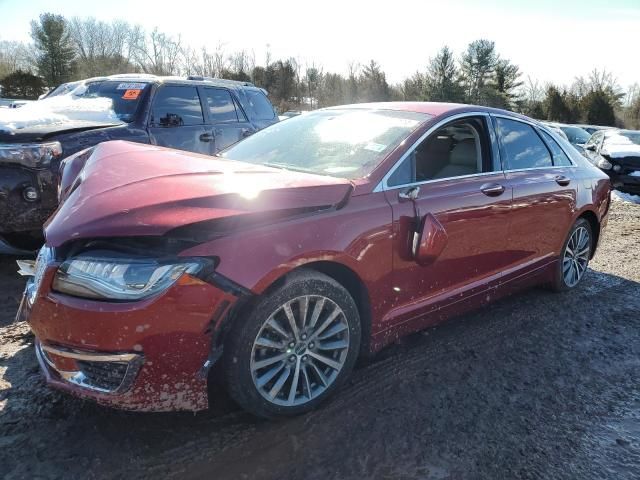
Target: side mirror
429,240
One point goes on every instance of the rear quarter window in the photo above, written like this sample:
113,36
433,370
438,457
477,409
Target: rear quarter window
259,106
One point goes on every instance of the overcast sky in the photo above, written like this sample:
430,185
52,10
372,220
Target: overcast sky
551,40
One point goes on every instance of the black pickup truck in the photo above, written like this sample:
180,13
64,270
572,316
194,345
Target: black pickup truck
198,114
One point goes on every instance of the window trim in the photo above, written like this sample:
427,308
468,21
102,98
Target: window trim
546,141
159,88
495,159
534,126
210,118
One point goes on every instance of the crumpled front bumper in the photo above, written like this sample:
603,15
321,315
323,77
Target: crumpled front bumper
149,355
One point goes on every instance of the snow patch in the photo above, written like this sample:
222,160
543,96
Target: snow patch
619,146
624,197
59,110
635,174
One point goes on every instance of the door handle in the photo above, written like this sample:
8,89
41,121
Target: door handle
562,180
492,189
246,132
206,137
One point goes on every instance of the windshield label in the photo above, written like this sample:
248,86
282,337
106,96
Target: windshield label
375,147
131,94
130,86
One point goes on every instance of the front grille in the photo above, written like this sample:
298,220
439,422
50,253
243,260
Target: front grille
103,375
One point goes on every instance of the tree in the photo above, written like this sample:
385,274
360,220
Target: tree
373,86
22,85
555,107
55,50
478,65
442,81
13,56
414,88
598,108
506,82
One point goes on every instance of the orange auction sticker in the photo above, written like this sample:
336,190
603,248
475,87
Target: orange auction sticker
131,94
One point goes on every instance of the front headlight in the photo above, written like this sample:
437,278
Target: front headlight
603,163
30,155
99,277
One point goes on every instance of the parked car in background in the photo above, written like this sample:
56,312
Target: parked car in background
289,114
197,114
575,135
591,129
307,245
617,153
556,128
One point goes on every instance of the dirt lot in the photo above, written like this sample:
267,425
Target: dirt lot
539,385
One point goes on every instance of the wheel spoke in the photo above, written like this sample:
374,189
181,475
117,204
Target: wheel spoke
265,342
304,307
294,384
332,316
280,382
326,360
337,328
269,361
307,383
266,377
320,375
273,324
292,321
317,310
336,345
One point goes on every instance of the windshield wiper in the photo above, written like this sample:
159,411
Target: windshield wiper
285,166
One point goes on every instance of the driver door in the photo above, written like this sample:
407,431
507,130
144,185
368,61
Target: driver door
460,193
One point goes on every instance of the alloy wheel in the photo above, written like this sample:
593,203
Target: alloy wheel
576,256
300,350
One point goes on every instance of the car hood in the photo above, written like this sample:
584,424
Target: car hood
132,190
35,133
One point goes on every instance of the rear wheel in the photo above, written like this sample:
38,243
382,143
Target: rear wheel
575,256
294,347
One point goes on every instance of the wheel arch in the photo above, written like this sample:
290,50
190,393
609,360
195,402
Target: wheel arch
591,217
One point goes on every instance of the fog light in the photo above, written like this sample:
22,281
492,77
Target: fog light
617,168
30,194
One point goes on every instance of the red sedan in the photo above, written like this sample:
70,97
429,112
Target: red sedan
314,242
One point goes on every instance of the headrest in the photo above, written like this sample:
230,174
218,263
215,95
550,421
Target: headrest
464,153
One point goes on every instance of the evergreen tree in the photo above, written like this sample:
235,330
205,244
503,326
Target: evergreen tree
555,107
443,78
373,84
598,108
478,66
55,51
22,85
506,83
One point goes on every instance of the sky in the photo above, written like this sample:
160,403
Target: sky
551,40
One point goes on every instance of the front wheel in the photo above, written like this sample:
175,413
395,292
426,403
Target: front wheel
294,347
575,256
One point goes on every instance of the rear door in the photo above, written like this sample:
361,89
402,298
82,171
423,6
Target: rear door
227,122
177,120
461,193
541,177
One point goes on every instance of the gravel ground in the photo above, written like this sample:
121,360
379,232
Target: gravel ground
539,385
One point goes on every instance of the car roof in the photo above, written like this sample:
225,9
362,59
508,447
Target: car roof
190,80
436,109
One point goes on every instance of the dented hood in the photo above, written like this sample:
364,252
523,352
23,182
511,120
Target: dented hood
127,189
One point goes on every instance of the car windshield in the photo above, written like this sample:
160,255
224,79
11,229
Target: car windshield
125,96
345,143
576,135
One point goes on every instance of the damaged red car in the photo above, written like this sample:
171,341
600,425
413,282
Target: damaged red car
310,244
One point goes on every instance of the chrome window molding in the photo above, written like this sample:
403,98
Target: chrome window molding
537,125
382,184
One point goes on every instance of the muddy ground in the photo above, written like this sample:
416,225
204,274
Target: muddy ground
539,385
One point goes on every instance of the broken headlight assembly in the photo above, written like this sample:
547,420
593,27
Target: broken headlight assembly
603,163
109,276
30,155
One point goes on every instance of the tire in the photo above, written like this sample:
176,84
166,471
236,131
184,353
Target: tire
264,356
578,262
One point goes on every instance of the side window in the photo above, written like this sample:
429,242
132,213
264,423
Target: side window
559,157
522,146
221,106
176,106
455,150
259,105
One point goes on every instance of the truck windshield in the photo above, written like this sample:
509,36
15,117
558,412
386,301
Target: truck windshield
126,96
